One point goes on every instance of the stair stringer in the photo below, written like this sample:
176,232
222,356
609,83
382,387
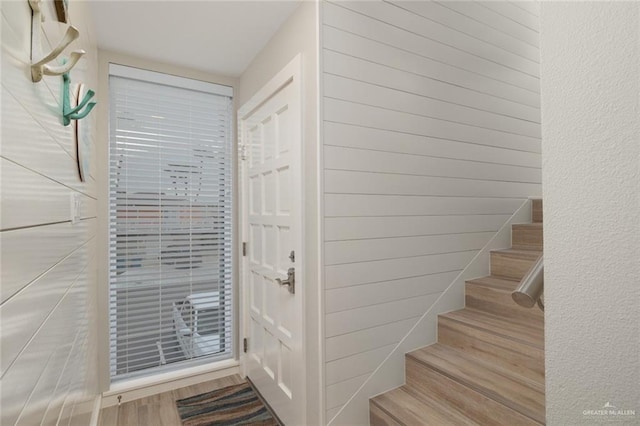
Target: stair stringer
390,373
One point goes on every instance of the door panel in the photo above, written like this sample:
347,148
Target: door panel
270,131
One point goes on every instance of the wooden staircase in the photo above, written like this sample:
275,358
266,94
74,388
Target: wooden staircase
487,367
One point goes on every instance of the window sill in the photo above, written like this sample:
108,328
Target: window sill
133,389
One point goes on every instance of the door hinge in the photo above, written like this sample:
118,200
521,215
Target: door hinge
245,345
244,249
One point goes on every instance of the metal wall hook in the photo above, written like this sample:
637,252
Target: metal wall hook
69,113
39,67
74,57
84,113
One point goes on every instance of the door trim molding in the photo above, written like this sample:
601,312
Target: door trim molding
291,71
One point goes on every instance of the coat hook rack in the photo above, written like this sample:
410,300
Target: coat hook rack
40,66
69,113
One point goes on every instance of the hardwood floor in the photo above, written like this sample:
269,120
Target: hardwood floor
159,410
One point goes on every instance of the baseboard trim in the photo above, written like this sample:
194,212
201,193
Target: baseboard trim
131,390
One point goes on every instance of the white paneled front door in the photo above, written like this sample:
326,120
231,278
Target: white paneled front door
270,153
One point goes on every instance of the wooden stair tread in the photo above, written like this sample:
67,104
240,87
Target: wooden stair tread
407,408
513,263
516,356
535,225
496,282
531,334
519,253
512,391
492,294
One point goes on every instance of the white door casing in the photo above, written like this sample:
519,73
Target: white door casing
270,131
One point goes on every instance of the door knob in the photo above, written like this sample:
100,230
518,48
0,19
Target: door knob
290,281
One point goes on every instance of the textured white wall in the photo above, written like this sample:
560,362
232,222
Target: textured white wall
298,35
591,155
48,298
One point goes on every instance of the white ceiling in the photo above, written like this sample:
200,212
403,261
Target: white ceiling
220,37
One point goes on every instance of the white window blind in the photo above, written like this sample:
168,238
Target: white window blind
170,247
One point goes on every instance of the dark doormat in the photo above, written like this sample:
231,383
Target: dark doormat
230,406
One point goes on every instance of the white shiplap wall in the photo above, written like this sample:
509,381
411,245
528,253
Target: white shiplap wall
47,297
431,138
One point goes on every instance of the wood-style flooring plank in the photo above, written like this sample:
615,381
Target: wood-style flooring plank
377,417
483,410
513,264
128,414
527,236
493,295
200,388
159,409
108,416
408,409
489,380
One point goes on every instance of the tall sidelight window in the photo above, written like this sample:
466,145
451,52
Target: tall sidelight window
170,207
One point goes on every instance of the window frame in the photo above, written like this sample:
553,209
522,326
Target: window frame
225,89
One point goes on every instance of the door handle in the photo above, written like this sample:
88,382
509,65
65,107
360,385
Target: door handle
290,281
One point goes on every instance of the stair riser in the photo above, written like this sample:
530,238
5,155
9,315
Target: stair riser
522,359
424,380
526,237
500,303
510,265
377,417
536,211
